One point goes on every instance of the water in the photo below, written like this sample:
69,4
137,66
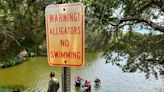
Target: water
33,75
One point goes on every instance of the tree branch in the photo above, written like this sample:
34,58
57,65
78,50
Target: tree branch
141,20
6,34
159,3
148,4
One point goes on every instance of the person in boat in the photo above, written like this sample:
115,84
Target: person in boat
78,80
87,85
97,81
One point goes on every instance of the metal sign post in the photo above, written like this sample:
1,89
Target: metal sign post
66,79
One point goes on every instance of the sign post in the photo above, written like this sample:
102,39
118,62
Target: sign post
66,79
65,38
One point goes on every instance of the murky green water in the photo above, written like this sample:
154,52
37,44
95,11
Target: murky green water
33,75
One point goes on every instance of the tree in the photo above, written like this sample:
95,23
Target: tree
22,25
135,52
144,53
115,14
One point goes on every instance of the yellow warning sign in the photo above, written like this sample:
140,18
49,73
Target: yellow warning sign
65,34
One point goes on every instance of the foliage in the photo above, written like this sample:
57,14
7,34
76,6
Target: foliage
12,88
96,40
22,25
137,52
115,14
144,53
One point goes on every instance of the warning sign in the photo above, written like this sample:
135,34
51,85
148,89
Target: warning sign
65,34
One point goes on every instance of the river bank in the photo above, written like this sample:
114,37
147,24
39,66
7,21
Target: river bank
11,89
24,55
12,61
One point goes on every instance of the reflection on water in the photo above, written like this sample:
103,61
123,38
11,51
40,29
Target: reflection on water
33,75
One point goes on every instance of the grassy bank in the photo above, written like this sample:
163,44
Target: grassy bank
15,59
11,61
12,89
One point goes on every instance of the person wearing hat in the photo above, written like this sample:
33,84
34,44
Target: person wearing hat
53,84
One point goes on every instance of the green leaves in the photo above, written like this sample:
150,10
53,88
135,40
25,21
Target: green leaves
2,13
22,22
141,52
